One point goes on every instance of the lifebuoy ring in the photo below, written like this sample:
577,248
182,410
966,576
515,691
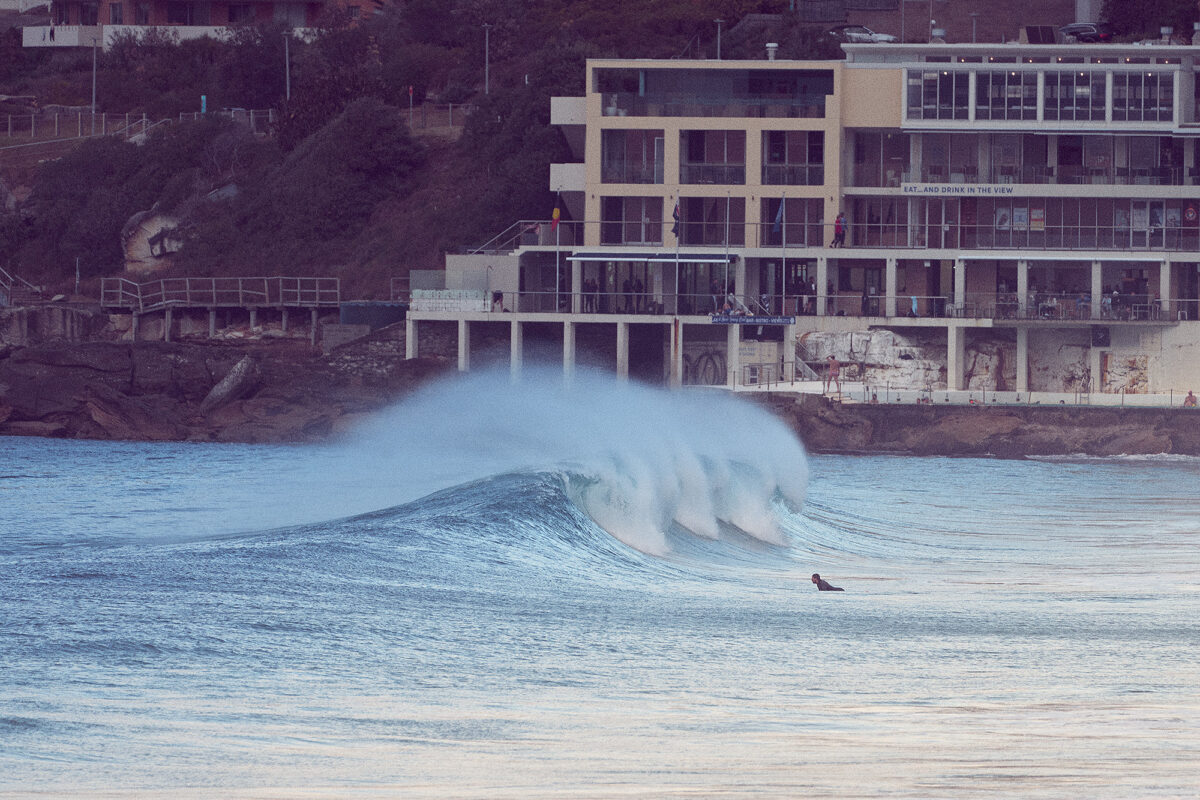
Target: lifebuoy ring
1190,214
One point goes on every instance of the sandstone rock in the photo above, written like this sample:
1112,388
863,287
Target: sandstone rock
240,381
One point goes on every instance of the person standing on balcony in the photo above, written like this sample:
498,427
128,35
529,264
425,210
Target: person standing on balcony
832,374
839,230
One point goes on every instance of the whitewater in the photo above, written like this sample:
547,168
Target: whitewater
593,590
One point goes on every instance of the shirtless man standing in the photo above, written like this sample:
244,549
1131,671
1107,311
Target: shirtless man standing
831,376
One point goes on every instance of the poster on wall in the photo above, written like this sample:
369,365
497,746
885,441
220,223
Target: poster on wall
1121,218
1173,217
1037,219
1020,218
1003,222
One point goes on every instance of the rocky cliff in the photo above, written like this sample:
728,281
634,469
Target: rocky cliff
284,391
988,430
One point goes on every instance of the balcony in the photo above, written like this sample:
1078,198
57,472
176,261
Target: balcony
724,174
62,35
568,110
568,177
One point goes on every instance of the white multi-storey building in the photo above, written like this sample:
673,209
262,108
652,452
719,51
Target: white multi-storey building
1033,208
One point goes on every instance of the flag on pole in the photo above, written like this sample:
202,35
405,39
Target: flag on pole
554,218
675,216
778,218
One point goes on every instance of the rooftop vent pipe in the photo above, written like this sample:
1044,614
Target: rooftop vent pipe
771,48
1166,31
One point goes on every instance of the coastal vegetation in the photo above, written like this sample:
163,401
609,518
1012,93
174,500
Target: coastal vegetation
342,187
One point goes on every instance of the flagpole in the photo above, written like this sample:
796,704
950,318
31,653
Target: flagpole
783,271
677,237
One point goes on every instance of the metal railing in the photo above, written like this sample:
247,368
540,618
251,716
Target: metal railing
48,127
220,292
790,234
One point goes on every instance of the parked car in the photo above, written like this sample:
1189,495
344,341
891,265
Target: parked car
861,34
1087,32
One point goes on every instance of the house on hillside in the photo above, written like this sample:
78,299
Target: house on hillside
1020,218
82,23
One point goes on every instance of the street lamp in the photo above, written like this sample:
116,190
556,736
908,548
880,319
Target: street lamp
487,30
719,22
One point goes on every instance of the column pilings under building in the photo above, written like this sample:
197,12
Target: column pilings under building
960,286
1022,288
675,375
623,351
889,280
955,351
569,350
576,287
1164,287
1097,288
1022,359
789,354
822,282
410,338
464,345
516,348
167,320
212,323
733,361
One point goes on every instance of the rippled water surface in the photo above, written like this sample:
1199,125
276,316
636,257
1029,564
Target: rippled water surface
501,591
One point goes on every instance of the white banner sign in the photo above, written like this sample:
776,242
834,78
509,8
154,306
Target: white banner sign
957,189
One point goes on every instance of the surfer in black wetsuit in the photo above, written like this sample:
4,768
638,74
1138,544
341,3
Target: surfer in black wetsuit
824,585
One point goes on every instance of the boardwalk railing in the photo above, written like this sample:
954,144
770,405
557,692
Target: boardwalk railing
53,126
220,292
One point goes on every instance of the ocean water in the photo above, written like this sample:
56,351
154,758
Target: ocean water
503,591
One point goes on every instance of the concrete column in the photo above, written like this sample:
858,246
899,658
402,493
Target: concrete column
576,287
312,328
134,327
822,282
168,318
253,317
569,348
956,337
675,377
464,346
889,280
1164,287
788,369
283,320
733,361
1095,354
1097,288
516,349
410,335
212,323
960,285
1022,359
739,280
622,351
1022,288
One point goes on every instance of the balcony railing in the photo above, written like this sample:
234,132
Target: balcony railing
622,104
793,174
725,174
631,173
1018,235
220,292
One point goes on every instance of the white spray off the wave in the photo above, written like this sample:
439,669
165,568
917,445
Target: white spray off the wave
645,457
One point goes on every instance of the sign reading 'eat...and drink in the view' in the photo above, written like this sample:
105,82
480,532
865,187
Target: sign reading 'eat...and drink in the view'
957,189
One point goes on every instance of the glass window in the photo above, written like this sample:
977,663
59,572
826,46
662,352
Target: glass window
793,158
116,14
713,157
631,220
631,156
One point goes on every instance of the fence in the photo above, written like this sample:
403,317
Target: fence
220,292
46,126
